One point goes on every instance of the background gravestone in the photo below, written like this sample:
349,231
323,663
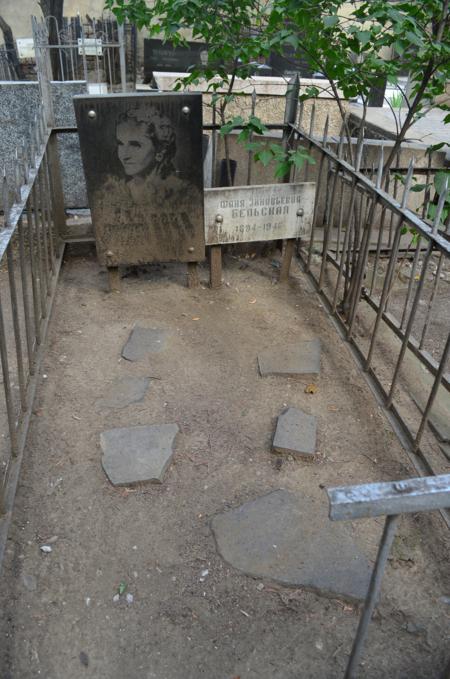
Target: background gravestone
142,157
163,56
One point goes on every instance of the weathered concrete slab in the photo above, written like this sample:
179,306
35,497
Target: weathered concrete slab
143,341
288,538
295,360
124,391
296,433
136,454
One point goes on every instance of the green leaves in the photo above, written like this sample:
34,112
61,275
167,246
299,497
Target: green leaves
268,152
330,21
364,37
356,45
237,121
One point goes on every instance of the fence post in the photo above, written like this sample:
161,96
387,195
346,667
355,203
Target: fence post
290,117
123,69
42,52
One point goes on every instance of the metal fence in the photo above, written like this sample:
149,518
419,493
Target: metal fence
390,500
101,52
30,259
346,258
379,268
7,69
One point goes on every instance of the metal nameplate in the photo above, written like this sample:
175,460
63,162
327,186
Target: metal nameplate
243,214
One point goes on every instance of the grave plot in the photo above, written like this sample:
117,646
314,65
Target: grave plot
227,566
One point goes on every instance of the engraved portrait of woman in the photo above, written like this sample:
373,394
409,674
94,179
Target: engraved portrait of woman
142,155
146,149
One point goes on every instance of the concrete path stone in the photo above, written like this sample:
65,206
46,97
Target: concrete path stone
295,360
295,433
134,454
288,538
143,341
124,391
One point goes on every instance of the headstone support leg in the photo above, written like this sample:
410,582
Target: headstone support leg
215,266
114,279
192,275
288,251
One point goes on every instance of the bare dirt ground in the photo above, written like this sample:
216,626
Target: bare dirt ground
59,619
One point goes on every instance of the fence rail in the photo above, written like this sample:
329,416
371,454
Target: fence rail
30,259
7,68
391,327
101,52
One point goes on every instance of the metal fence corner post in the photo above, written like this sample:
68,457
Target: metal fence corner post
56,188
290,117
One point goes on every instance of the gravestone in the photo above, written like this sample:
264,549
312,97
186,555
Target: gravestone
288,65
142,158
166,57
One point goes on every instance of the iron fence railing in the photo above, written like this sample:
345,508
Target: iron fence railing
356,276
391,500
7,68
101,52
363,242
30,259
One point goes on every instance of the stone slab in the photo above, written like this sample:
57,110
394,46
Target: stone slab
137,454
19,103
142,158
72,173
124,391
295,434
289,539
143,341
295,360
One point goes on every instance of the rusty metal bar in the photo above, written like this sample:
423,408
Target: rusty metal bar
25,297
16,326
433,393
35,278
390,500
7,383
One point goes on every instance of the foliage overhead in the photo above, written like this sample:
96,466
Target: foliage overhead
355,45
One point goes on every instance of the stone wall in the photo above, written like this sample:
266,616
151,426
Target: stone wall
19,103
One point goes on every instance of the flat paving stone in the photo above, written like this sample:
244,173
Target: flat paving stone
295,434
296,360
135,454
289,539
124,391
143,341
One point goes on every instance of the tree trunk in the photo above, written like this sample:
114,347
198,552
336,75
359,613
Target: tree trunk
10,47
54,9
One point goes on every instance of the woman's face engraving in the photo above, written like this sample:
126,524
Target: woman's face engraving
136,150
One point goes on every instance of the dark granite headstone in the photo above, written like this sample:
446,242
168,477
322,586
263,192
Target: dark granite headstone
142,157
288,65
163,56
